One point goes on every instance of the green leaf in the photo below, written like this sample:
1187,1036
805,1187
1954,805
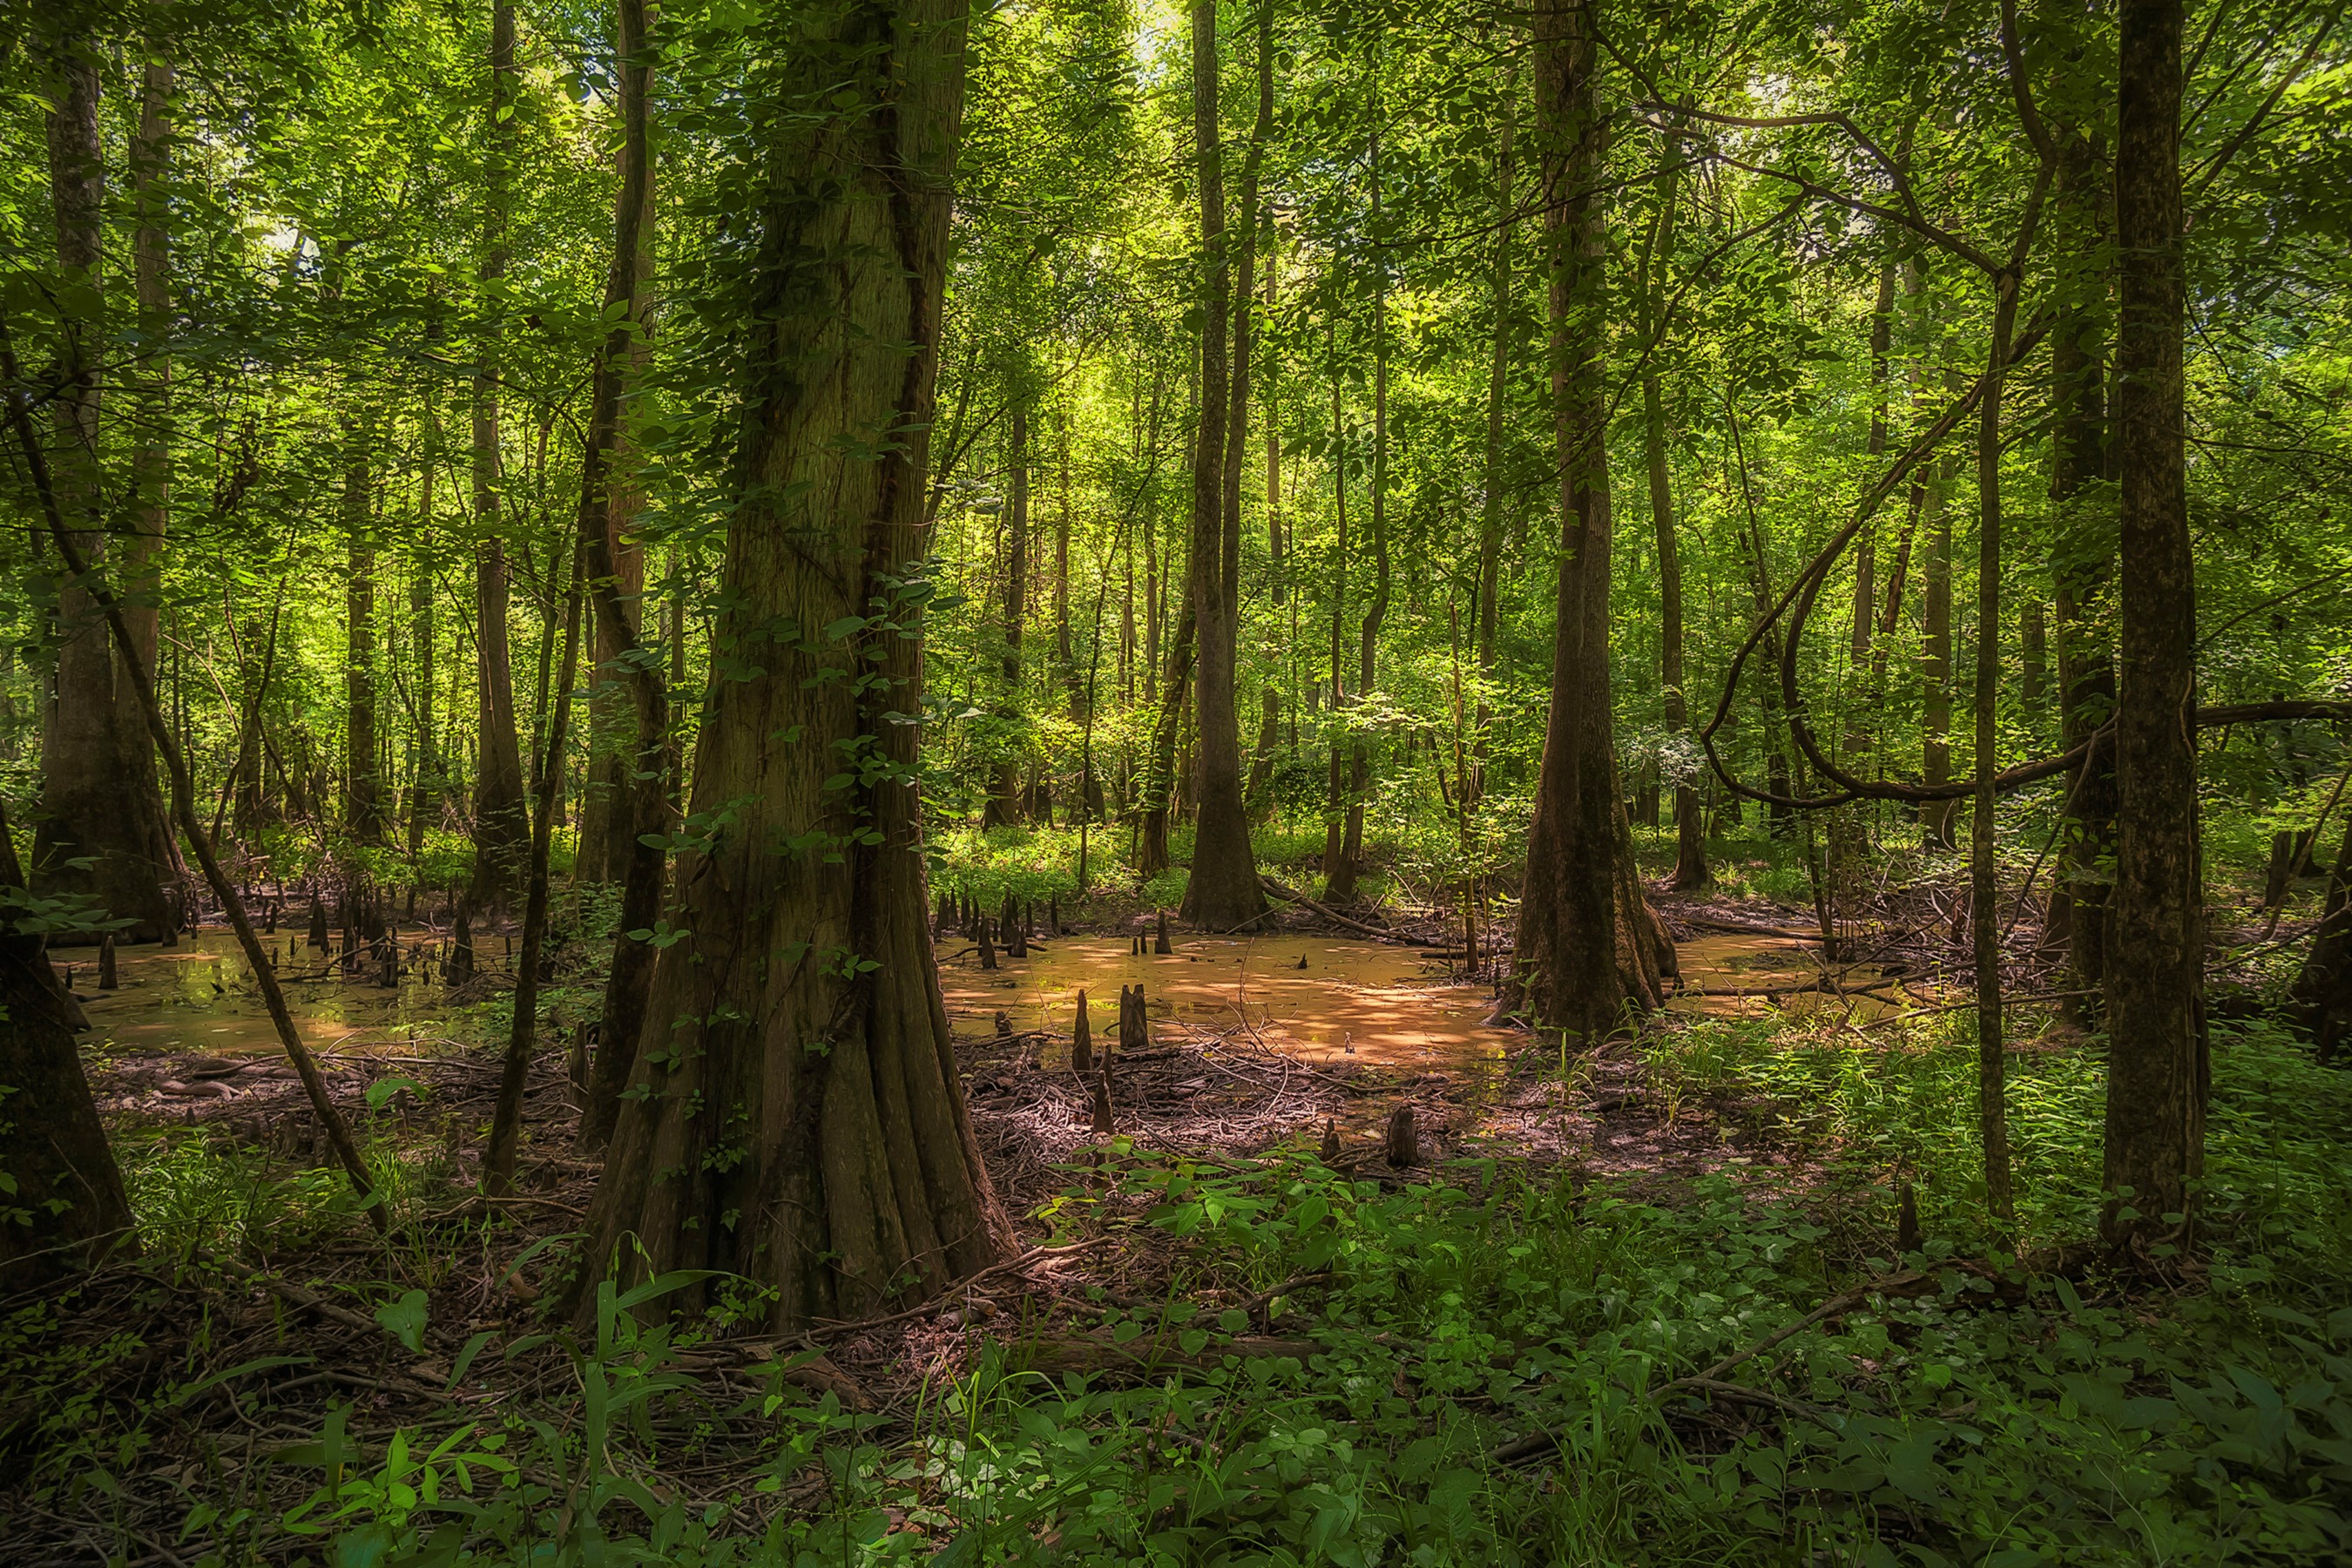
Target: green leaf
406,1319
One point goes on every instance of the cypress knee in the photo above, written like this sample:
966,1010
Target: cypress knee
1403,1139
1082,1041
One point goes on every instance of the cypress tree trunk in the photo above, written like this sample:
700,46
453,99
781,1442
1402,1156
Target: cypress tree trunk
1222,890
65,1210
801,1122
501,821
1588,947
97,770
2157,1073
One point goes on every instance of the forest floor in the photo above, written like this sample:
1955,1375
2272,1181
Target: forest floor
198,1382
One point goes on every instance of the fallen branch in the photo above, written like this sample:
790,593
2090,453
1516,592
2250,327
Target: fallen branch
1304,902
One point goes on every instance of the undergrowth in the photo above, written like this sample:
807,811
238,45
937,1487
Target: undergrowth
1971,1412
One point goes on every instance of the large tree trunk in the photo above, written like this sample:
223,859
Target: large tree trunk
65,1209
98,836
1223,890
1588,947
801,1121
501,821
2156,1074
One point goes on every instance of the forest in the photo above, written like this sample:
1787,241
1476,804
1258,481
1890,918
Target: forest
1689,663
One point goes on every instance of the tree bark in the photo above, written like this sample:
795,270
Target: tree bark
501,821
1223,890
609,824
641,809
63,1209
97,837
1588,950
801,1122
2157,1072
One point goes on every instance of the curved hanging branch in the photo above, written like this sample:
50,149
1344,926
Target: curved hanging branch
1797,601
1807,586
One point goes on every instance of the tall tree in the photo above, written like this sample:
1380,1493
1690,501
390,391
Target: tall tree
1690,832
1223,890
363,813
801,1121
1587,944
501,821
1005,801
2083,550
97,835
642,807
2157,1072
609,824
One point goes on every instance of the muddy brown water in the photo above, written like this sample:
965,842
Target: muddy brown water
199,996
1356,1001
1360,1001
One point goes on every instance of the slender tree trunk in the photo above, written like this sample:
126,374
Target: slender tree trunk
616,744
1690,836
1984,865
1338,874
1588,949
1936,658
1005,796
2084,551
97,835
2157,1072
641,809
501,821
364,816
150,462
803,1124
1342,889
424,791
1223,890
